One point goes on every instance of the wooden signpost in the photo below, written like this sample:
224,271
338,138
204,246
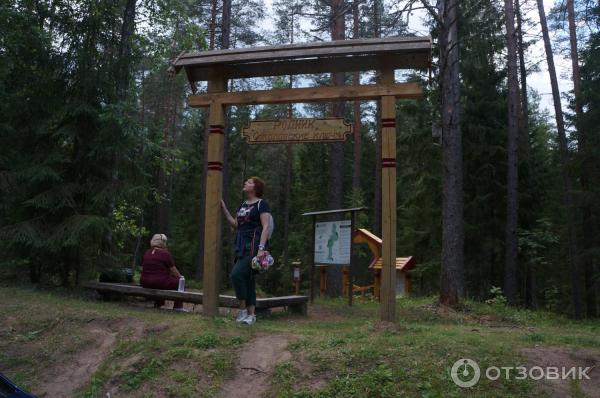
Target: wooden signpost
290,131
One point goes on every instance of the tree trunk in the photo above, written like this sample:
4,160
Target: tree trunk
567,182
123,70
289,164
35,272
212,25
529,292
357,136
452,272
163,213
575,63
587,260
77,265
336,157
512,183
524,146
288,198
127,31
226,25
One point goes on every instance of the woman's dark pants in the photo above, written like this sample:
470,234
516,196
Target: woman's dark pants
163,282
243,280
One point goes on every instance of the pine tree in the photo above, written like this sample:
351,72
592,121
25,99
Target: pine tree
512,184
452,273
567,180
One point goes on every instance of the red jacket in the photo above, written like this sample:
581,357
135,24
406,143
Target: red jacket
156,266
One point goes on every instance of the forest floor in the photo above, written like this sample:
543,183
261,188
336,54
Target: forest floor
58,344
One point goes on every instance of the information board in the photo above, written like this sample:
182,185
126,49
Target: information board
332,242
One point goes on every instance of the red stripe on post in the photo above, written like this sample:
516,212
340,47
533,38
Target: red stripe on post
388,162
215,129
215,166
388,122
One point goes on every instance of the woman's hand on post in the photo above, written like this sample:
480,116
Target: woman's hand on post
228,216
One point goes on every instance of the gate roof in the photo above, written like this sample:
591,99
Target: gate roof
308,58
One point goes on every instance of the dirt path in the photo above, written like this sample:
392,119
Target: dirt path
565,357
255,366
73,372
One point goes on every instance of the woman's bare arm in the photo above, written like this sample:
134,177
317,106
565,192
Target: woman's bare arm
232,221
171,266
174,271
264,220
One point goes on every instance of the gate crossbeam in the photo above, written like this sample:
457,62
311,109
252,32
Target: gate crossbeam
308,94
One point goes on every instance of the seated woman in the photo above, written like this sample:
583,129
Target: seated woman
159,271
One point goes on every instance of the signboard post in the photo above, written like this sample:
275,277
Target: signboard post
296,276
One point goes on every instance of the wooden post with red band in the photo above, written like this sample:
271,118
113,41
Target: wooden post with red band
214,190
388,201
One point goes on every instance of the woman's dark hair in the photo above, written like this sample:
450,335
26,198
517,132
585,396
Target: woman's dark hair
259,186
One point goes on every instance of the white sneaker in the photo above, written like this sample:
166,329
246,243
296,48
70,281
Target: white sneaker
241,315
249,320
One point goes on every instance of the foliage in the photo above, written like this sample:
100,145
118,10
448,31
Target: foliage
497,297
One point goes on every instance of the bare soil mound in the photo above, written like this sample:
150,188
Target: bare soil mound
560,357
255,366
74,370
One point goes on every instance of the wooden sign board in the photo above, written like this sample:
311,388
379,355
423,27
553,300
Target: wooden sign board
296,131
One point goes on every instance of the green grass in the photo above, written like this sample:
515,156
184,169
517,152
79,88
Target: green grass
350,354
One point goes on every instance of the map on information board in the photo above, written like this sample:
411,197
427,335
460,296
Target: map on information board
332,242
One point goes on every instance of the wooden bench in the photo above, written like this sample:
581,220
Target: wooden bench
295,304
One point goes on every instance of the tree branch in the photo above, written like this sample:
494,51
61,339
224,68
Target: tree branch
432,11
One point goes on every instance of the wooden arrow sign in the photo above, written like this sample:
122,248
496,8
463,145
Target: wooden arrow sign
296,131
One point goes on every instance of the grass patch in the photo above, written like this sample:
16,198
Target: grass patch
205,341
347,354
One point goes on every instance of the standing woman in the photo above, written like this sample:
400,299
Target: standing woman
252,232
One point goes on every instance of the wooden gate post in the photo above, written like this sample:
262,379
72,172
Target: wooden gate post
213,194
388,201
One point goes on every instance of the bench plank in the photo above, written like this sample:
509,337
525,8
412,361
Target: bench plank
195,297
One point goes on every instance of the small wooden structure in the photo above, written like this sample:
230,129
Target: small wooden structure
218,67
295,304
403,265
403,279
